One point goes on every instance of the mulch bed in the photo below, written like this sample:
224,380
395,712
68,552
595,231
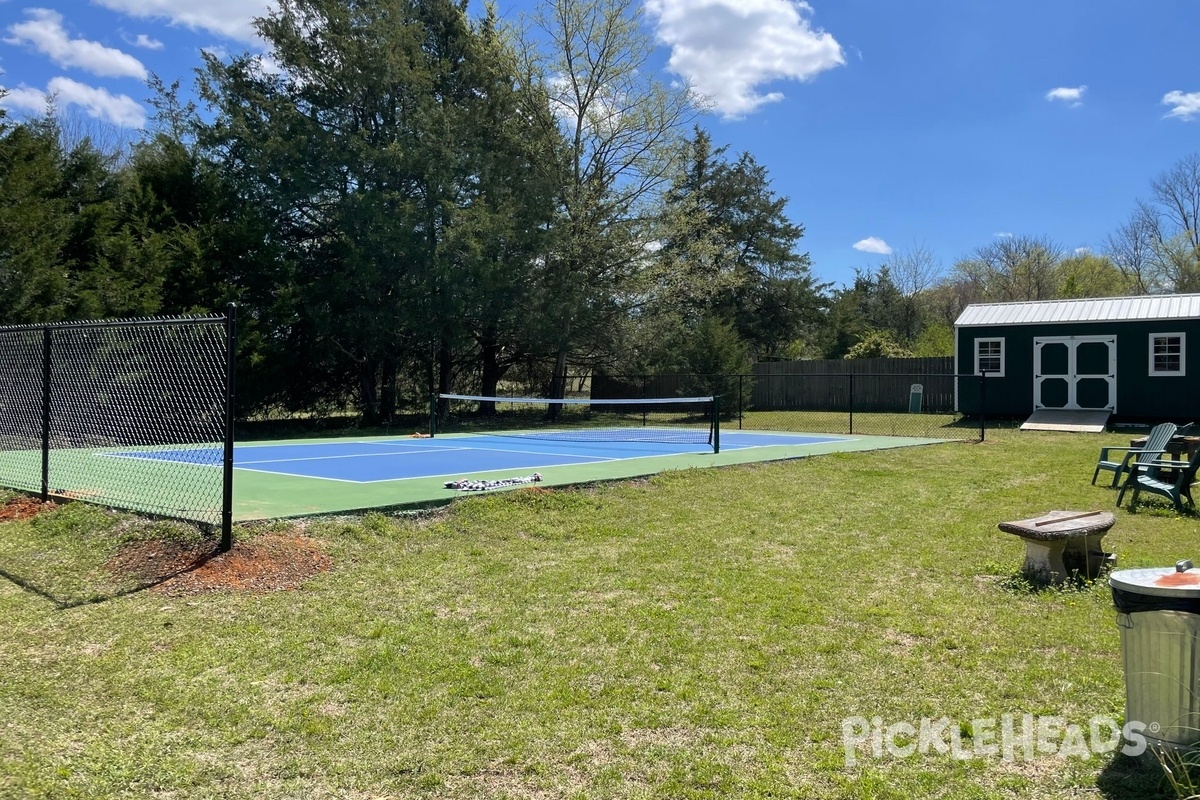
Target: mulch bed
23,508
267,563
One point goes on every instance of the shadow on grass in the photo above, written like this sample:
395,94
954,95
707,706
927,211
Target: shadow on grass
64,603
1158,509
1141,778
1075,583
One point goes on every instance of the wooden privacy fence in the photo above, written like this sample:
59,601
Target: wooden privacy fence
868,384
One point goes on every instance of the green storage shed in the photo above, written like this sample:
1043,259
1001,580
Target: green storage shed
1126,356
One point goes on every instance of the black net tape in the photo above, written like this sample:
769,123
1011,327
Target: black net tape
136,413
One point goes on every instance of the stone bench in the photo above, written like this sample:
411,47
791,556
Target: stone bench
1059,541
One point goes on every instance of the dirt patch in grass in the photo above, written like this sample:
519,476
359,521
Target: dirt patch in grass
23,508
267,563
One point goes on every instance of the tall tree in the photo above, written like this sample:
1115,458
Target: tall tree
1158,248
912,271
727,247
871,305
375,145
1090,275
1132,249
1014,268
620,126
34,223
108,277
1177,192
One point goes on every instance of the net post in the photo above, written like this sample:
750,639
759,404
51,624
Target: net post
851,402
716,424
227,460
46,413
433,399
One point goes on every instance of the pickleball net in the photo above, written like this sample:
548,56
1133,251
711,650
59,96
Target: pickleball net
670,420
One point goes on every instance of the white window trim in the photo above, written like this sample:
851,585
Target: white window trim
1003,361
1182,356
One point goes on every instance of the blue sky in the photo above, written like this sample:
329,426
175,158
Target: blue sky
889,125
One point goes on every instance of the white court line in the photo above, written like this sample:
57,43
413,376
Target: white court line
782,435
794,444
408,444
424,444
543,453
350,455
151,455
544,466
239,464
598,460
300,475
422,477
326,442
160,460
442,449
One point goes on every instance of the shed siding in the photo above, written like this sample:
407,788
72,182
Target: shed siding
1139,395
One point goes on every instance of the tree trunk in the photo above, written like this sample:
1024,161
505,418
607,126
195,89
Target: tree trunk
490,356
367,391
558,382
387,394
445,374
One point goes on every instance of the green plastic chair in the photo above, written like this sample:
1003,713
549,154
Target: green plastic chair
1171,479
1156,445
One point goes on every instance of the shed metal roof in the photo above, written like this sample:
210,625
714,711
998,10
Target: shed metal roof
1096,309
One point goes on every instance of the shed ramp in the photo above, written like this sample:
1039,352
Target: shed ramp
1052,419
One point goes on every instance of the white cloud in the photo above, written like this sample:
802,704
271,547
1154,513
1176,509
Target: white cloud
231,18
1186,106
729,48
44,31
873,244
26,98
118,109
1082,251
1002,235
147,43
1071,96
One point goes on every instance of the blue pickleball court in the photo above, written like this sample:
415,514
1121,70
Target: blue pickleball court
304,477
376,460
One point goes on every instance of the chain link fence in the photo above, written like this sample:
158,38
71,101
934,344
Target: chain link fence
131,414
875,404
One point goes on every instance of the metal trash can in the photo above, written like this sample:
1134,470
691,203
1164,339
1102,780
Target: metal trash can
1158,612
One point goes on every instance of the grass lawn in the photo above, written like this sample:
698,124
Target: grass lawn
700,634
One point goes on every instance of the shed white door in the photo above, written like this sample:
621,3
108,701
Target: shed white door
1075,372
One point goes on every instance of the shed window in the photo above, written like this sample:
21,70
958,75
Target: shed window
1166,353
989,356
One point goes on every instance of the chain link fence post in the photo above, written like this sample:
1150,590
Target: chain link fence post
227,455
982,404
46,341
851,402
